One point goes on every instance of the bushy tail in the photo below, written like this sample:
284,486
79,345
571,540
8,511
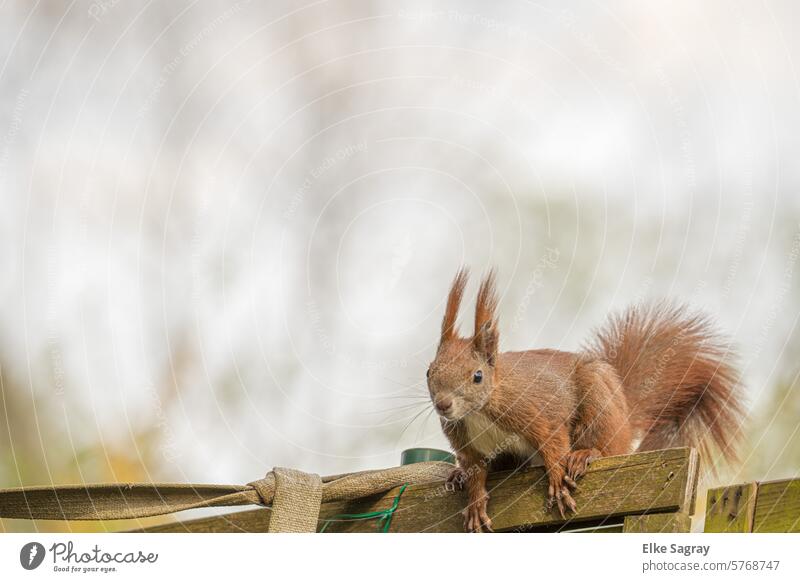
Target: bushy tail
681,387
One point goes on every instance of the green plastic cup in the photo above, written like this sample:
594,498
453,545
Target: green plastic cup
420,455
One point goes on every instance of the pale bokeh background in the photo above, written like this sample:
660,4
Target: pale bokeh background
227,229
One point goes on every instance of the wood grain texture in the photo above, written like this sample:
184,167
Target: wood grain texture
731,509
778,507
650,482
658,523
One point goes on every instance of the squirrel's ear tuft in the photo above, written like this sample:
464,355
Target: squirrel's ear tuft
486,334
453,304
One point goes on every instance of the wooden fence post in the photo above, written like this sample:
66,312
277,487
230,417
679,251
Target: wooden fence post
731,509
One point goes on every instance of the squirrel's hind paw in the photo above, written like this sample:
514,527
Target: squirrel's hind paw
577,463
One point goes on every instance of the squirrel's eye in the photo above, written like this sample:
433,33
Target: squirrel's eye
428,373
477,377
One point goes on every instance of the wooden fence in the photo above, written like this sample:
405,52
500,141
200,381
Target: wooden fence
772,506
645,492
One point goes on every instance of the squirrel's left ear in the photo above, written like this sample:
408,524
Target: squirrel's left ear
486,335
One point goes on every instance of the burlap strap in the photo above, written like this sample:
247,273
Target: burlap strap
295,502
294,496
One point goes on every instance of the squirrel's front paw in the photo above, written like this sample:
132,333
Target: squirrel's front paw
476,519
558,494
456,479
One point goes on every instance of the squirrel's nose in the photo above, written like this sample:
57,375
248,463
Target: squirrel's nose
444,404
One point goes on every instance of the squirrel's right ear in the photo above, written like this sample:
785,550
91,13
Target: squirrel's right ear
453,303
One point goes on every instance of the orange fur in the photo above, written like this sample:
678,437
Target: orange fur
453,304
678,377
657,374
486,334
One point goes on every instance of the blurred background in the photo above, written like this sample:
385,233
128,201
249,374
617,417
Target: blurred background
228,228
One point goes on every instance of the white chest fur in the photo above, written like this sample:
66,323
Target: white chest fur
491,441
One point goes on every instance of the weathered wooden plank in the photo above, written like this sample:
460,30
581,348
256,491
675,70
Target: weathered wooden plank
658,523
650,482
251,521
778,507
731,509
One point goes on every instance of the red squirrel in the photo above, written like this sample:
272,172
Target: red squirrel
655,375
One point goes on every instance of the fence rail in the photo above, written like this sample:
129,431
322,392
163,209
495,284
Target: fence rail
646,492
651,491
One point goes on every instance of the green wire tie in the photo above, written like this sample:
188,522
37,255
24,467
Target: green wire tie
384,515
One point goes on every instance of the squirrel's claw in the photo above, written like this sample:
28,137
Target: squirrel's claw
476,519
559,495
578,462
456,479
